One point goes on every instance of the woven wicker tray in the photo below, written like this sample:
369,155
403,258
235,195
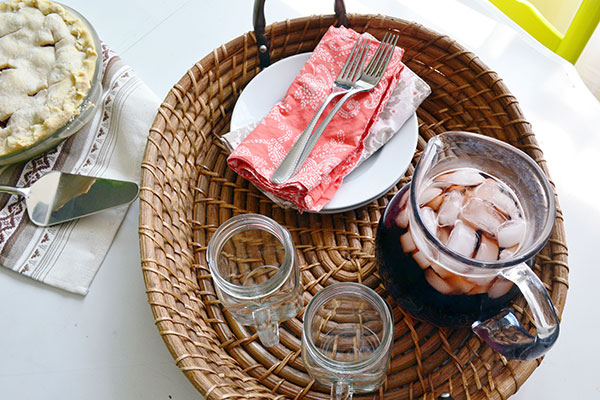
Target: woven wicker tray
187,191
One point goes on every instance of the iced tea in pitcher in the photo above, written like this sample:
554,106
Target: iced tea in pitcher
455,245
472,213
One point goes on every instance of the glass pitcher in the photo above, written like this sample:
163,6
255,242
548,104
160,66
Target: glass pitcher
455,245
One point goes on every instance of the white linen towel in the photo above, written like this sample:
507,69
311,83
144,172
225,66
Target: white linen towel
111,145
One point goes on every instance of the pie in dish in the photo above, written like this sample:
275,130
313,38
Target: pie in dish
47,64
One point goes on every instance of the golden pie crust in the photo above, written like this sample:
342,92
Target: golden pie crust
47,63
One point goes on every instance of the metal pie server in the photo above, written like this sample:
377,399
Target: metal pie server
59,197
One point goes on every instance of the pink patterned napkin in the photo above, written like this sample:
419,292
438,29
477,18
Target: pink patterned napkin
341,145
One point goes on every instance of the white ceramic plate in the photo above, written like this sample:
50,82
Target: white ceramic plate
370,180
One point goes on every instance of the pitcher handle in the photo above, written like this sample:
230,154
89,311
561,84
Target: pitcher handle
505,334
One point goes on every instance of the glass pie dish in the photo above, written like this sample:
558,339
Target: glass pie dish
86,109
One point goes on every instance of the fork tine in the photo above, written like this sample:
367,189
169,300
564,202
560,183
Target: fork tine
390,55
380,64
360,58
350,58
383,56
385,59
354,59
371,64
377,63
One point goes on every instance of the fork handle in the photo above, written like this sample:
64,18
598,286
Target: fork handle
312,141
287,168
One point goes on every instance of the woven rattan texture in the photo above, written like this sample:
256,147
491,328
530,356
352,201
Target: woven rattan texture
187,191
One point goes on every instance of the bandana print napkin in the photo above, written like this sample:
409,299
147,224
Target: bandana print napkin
111,145
406,97
341,145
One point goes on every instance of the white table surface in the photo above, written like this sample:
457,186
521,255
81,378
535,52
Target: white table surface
54,345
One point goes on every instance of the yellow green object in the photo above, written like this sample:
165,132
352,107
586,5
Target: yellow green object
571,44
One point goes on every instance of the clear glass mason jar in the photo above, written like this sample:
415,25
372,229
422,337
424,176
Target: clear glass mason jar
347,339
253,265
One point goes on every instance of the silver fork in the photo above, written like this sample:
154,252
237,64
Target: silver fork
343,84
370,77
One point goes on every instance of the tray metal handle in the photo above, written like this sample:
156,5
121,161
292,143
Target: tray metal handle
259,27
